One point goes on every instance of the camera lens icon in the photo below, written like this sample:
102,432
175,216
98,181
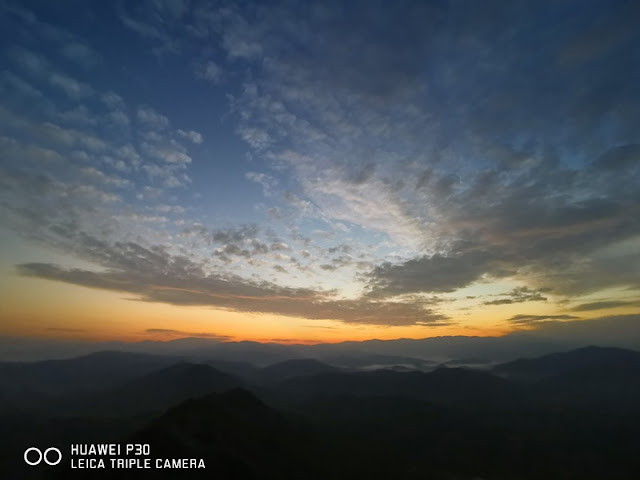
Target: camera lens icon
51,456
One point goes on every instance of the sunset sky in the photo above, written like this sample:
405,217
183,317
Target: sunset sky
317,171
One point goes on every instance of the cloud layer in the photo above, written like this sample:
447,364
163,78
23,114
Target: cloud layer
382,154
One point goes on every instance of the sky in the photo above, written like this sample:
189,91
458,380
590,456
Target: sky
306,172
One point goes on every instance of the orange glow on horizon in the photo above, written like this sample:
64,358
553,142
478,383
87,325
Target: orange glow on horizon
66,311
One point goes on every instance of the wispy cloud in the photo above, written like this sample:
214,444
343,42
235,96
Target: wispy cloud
527,320
39,67
167,332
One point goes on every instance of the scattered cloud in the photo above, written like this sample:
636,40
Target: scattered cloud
194,137
151,119
80,53
519,295
41,69
113,101
209,71
444,171
267,182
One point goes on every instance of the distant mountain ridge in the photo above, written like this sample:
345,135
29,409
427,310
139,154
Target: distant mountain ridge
490,350
163,388
294,368
563,363
94,371
604,379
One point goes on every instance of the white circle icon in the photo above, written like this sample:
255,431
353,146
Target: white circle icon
26,455
42,456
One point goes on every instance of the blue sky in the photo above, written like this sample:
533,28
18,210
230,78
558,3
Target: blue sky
416,164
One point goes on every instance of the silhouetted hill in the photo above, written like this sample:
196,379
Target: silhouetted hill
240,369
444,385
591,378
440,349
90,372
294,368
563,363
161,389
259,354
602,389
236,435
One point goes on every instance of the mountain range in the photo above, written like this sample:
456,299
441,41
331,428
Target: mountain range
568,414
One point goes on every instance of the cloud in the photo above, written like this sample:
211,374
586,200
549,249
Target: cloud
73,88
455,157
80,53
167,175
267,182
235,234
620,157
151,274
153,21
39,67
151,119
526,320
68,44
519,295
511,169
195,137
119,118
614,330
92,174
603,305
436,273
543,223
65,330
24,88
209,71
29,61
168,153
371,205
113,101
33,202
180,333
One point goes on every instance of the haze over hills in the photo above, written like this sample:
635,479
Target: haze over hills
565,415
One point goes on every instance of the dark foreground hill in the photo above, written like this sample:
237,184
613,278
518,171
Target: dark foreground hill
234,434
237,436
